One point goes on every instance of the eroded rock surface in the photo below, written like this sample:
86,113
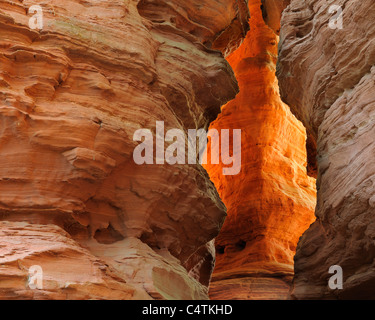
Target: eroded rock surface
327,77
272,11
71,97
271,202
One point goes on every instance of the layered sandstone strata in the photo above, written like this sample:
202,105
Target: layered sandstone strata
271,202
327,76
72,200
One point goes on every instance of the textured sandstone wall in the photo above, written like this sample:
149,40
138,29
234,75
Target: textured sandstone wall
71,97
271,202
327,77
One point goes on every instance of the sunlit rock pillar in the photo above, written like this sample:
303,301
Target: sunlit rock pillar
271,201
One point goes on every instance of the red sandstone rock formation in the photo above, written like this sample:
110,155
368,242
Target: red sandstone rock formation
271,202
272,11
72,95
327,77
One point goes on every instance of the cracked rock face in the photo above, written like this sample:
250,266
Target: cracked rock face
71,97
327,76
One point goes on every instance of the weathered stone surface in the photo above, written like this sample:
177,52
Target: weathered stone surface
69,271
271,202
272,11
327,77
71,97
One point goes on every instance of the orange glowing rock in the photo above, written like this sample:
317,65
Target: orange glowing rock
271,202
